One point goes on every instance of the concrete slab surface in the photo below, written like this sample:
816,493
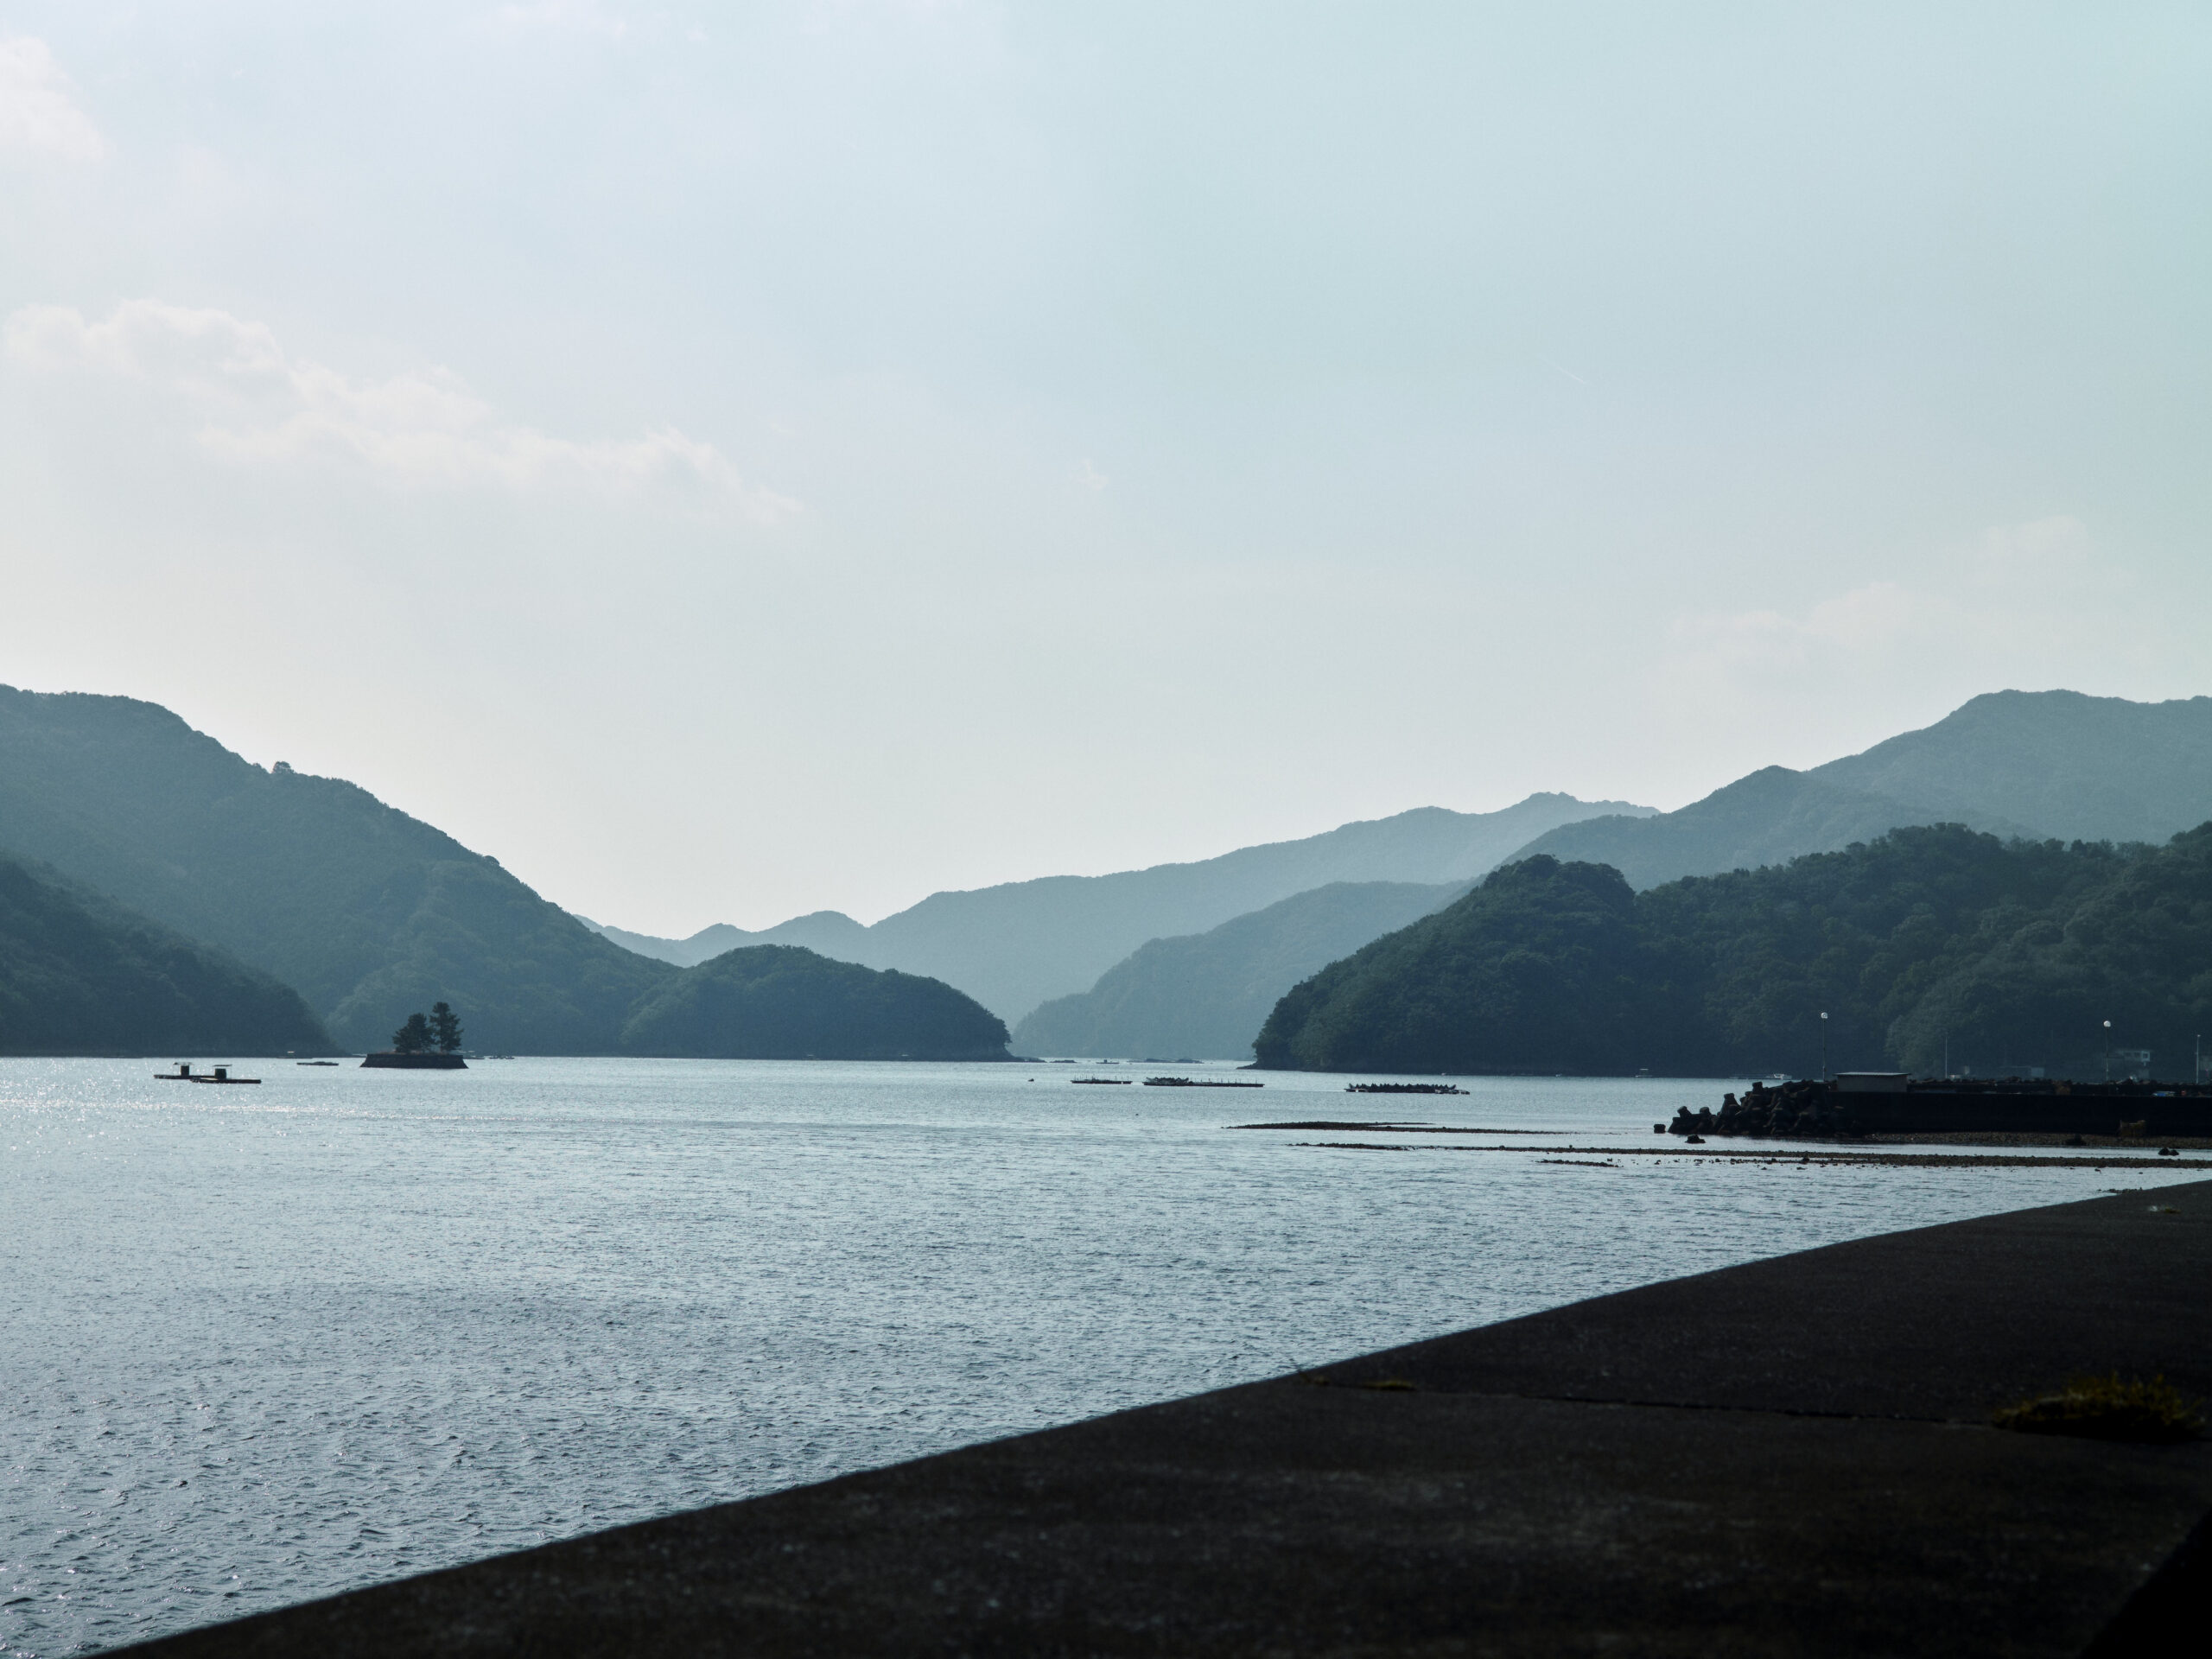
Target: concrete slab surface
1941,1323
1787,1458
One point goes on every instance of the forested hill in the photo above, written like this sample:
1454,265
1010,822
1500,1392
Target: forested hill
369,913
781,1002
81,975
2016,953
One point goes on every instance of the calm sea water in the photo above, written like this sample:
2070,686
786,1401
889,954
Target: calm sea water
262,1344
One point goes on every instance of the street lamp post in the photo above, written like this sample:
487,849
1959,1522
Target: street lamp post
1824,1045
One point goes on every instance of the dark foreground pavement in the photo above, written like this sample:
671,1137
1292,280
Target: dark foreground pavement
1789,1458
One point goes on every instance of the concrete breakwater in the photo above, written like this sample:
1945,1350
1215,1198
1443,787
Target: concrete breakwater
1862,1105
1796,1456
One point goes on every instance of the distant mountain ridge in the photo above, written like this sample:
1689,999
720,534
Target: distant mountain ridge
2072,767
2036,764
1204,995
1017,945
369,913
2012,764
1770,816
830,932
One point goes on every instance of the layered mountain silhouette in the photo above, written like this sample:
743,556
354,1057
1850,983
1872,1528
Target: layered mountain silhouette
2012,764
197,902
1928,943
830,932
2075,767
370,914
79,974
1771,816
1014,946
2033,763
1204,995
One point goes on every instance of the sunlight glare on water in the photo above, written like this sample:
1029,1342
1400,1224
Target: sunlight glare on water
263,1344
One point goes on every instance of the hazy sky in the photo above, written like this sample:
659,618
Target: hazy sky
734,459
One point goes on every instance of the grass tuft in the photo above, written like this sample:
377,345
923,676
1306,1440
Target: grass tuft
2106,1409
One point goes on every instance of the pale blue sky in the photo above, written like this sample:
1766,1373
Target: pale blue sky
808,455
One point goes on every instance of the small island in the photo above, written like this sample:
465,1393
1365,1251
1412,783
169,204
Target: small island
430,1043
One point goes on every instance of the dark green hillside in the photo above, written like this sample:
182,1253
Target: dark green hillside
1541,962
1207,995
367,912
2135,949
781,1002
2016,952
81,975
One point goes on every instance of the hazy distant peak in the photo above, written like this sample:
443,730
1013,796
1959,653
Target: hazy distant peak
1015,944
2029,764
830,932
2062,763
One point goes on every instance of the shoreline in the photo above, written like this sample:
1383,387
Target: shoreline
1794,1455
1879,1158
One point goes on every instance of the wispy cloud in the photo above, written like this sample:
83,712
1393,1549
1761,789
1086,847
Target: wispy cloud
2042,551
1873,618
39,116
255,404
2007,605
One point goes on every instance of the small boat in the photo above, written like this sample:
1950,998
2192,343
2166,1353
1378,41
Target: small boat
222,1074
1122,1081
182,1074
315,1062
1194,1083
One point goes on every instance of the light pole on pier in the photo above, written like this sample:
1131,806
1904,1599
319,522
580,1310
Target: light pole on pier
1824,1045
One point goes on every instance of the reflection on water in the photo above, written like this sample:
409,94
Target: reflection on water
266,1343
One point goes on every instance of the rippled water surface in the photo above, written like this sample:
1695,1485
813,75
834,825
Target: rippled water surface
266,1343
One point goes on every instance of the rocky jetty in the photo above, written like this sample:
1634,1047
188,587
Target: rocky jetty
1853,1106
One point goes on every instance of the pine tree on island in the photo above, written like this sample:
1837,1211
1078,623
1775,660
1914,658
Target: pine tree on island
431,1040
